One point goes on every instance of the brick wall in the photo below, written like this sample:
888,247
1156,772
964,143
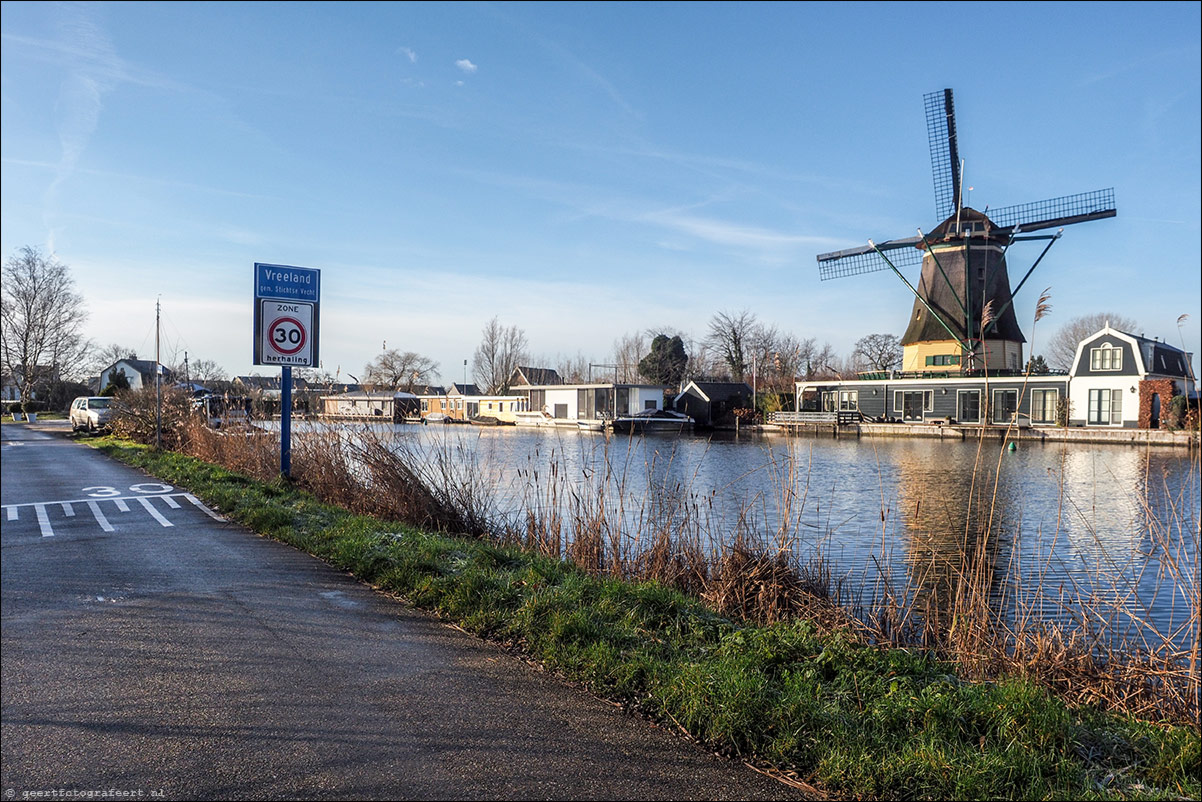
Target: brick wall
1166,388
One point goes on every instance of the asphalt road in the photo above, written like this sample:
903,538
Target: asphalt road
150,647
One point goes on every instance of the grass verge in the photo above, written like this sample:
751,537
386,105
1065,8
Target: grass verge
853,719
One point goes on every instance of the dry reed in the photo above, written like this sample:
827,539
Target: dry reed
988,619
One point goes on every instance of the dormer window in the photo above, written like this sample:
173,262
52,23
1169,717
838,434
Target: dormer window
1106,357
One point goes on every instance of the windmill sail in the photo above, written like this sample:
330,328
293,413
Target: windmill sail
866,259
945,153
1057,212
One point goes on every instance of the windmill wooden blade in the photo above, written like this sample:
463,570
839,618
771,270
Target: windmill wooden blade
1056,212
865,259
945,154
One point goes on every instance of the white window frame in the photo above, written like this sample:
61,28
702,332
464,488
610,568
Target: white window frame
959,405
1106,357
995,407
1042,407
1105,407
849,400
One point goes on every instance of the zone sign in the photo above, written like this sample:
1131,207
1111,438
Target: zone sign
287,307
287,333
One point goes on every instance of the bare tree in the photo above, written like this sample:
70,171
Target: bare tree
816,361
41,341
500,353
629,350
102,358
399,370
1062,346
572,369
730,336
206,371
878,352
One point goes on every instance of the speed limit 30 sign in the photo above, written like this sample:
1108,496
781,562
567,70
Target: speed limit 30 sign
287,309
287,333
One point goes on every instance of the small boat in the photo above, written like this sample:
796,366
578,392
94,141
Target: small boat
654,420
486,420
533,419
590,425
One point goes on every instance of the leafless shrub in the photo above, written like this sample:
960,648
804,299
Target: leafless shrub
137,415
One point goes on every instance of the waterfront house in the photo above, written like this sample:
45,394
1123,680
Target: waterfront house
711,403
570,403
911,397
383,406
463,402
1123,381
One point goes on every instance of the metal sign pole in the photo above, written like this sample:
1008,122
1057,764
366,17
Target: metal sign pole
286,422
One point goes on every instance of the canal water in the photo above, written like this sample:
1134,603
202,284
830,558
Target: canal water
1097,536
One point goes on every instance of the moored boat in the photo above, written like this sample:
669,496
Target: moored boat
653,420
531,418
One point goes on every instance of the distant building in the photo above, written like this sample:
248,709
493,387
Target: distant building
138,372
533,377
387,405
593,401
711,403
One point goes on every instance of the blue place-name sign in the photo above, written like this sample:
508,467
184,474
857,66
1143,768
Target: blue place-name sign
287,283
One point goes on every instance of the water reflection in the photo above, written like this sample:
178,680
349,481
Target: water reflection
1047,530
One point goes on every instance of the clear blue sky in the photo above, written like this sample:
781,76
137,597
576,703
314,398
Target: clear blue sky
582,170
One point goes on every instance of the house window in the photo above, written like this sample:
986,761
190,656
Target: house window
1105,407
1043,406
1005,404
829,402
943,359
968,406
649,404
914,403
849,400
1106,357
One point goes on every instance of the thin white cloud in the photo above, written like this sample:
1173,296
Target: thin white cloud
466,65
722,232
408,53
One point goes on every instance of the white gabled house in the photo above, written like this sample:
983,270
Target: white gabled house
138,372
1123,381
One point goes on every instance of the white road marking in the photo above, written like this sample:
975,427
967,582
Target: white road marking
100,519
43,520
12,511
206,510
158,516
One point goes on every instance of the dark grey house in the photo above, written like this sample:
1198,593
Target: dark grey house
906,398
711,403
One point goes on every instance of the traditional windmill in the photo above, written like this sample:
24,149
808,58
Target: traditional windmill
963,318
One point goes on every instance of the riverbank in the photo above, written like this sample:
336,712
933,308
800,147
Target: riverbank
950,431
815,702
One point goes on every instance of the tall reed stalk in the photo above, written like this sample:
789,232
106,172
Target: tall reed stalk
989,615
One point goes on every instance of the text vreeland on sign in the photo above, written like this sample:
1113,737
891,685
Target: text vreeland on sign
287,303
